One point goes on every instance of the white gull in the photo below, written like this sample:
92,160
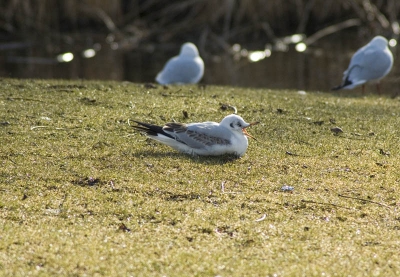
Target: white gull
205,138
369,64
187,68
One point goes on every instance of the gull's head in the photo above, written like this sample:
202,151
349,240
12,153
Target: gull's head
379,42
189,50
237,124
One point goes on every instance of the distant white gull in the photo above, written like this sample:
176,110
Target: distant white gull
187,68
369,64
206,138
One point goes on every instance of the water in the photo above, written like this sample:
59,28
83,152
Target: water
319,68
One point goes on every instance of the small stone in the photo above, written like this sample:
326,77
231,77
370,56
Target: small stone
287,188
336,130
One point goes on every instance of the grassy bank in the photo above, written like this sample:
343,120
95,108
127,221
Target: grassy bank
81,194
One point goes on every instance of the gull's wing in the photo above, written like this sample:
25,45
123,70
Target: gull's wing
181,70
198,135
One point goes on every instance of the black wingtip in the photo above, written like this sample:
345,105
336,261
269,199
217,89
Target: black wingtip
140,128
150,129
346,83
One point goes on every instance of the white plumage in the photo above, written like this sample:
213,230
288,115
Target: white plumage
187,68
369,64
206,138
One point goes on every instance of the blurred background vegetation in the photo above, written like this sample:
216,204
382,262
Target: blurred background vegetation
33,32
224,21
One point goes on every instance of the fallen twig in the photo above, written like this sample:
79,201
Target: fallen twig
37,127
233,108
261,218
55,128
322,203
366,200
23,99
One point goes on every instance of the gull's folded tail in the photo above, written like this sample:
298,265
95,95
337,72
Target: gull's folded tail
150,129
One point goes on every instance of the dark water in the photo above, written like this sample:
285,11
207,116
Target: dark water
319,68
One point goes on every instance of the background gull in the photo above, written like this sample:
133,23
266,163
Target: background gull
206,138
187,68
369,64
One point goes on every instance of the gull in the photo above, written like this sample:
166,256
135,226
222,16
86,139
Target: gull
369,64
205,138
187,68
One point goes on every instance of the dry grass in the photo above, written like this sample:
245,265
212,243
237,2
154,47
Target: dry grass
83,195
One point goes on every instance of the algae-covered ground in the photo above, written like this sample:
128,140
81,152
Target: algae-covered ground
83,194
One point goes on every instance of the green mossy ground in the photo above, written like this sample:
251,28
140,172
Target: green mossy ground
82,194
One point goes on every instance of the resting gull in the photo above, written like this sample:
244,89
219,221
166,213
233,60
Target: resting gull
369,64
187,68
206,138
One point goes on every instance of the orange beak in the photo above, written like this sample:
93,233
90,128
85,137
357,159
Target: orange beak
247,134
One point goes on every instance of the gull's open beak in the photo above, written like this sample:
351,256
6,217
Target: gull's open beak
245,131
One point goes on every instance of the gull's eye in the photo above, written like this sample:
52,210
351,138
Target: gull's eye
239,124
